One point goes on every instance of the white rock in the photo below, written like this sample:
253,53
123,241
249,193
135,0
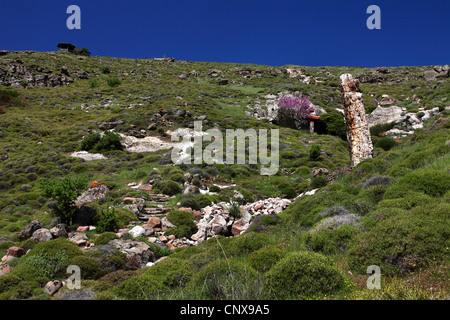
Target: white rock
137,231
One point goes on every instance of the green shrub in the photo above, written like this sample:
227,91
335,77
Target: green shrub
48,264
53,246
104,238
110,141
302,187
247,243
235,210
331,241
385,143
303,171
214,188
377,129
265,258
108,221
124,217
404,241
318,182
90,141
314,152
303,275
171,188
113,82
335,124
429,181
90,267
228,280
93,83
178,177
64,192
196,201
160,279
184,222
105,70
289,192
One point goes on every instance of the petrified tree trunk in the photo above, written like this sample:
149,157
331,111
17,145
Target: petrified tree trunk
358,135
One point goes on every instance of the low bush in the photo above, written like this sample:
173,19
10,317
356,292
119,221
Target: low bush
90,267
265,258
289,192
157,281
214,188
331,241
196,201
108,221
402,242
184,222
318,182
314,152
429,181
171,188
247,243
64,192
228,279
385,143
178,177
113,82
303,275
48,264
104,238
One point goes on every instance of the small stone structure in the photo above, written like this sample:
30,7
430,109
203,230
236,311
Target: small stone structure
358,134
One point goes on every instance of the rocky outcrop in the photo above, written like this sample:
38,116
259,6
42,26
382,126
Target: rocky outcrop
138,253
93,194
385,115
18,75
30,228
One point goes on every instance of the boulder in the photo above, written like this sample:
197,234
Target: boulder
52,287
134,250
110,125
385,115
58,231
137,231
42,235
15,252
29,229
239,226
154,222
80,239
430,75
93,194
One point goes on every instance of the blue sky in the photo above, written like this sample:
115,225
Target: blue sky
271,32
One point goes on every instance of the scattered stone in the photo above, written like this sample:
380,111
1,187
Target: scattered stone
239,226
154,222
137,231
27,232
88,156
83,228
134,250
42,235
15,252
52,287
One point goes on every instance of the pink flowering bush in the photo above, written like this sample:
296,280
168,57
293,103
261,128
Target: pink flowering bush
293,112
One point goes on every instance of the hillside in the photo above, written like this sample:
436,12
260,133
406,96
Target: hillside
141,227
